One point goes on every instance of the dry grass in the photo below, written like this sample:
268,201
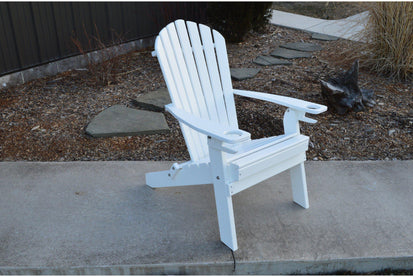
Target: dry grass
104,59
389,50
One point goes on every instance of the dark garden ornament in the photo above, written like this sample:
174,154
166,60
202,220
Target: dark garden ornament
343,94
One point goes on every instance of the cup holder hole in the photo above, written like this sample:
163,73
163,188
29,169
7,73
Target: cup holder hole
234,133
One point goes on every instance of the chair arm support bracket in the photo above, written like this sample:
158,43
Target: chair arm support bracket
175,168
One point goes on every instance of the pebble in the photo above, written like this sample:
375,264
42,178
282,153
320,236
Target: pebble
392,131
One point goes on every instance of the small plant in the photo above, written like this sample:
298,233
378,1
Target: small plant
389,47
103,62
234,19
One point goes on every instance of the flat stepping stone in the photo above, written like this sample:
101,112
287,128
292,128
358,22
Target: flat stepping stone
243,73
269,60
289,54
119,121
302,46
153,101
324,37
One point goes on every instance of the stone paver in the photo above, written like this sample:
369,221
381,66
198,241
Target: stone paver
289,54
154,100
302,46
120,120
269,60
243,73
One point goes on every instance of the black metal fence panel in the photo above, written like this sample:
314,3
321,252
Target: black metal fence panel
34,33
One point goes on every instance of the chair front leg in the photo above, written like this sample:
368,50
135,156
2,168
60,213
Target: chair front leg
297,173
223,199
225,213
299,185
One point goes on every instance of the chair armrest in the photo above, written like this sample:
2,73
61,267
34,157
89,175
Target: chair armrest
208,127
293,103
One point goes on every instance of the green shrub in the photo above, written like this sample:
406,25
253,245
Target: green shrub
389,49
234,19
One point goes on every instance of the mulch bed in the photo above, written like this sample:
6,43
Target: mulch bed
44,120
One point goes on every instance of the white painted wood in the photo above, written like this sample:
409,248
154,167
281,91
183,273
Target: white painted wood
299,185
215,80
208,127
195,149
195,66
225,75
254,146
260,160
296,104
290,122
187,91
223,200
269,172
190,174
202,70
225,214
173,91
192,70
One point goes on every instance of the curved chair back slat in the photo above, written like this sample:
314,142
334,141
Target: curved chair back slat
194,62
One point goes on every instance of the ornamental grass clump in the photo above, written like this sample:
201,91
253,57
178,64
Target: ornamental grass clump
389,48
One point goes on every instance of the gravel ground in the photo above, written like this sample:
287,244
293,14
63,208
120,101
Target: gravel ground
44,120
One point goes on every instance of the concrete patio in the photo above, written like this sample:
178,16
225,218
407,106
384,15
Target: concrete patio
101,218
346,28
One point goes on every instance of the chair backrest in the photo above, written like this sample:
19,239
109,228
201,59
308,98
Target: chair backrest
194,63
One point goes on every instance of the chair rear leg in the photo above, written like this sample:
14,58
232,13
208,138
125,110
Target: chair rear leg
225,214
299,185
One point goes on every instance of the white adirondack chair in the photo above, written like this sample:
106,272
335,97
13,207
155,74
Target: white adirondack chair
195,66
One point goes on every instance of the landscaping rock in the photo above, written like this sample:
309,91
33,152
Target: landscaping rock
289,54
243,73
324,37
269,60
119,120
154,100
302,46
